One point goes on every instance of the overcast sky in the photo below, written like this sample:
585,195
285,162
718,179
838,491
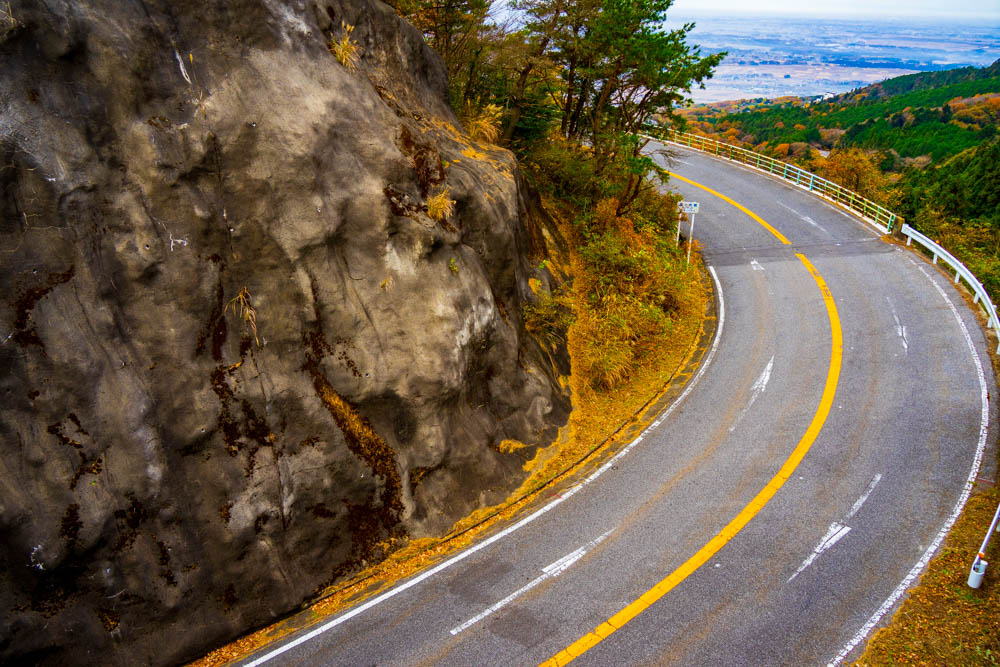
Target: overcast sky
989,9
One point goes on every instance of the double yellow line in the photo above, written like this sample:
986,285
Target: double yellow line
633,609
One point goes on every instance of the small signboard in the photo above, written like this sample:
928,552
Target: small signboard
688,206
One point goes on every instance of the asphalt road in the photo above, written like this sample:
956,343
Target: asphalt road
885,464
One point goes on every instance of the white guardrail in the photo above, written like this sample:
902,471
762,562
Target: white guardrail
881,218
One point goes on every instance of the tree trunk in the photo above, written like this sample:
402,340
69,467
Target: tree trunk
568,102
574,127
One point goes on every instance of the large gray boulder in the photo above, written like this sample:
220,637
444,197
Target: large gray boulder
240,361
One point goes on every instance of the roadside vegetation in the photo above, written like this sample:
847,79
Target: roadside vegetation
632,310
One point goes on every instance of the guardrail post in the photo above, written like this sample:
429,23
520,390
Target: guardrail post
979,564
896,230
977,572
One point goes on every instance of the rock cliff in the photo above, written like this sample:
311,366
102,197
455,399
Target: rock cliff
239,357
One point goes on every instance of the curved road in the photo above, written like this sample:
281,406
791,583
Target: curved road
771,511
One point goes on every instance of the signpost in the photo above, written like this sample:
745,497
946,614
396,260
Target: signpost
689,208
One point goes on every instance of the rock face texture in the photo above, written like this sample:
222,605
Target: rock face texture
239,358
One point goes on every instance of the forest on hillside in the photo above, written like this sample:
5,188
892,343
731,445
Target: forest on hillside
924,145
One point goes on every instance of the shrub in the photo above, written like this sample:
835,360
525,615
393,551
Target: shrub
549,318
483,124
630,282
631,287
344,49
562,169
440,206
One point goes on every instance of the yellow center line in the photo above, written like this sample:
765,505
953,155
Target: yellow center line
777,234
613,624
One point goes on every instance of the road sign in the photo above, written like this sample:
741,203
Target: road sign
688,207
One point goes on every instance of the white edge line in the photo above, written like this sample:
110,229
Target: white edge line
963,497
523,522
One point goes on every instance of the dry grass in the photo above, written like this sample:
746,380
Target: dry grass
510,446
943,621
440,206
344,49
483,124
7,16
243,307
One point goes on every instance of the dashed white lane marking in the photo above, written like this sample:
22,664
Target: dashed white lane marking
805,218
984,420
548,572
526,520
837,530
756,390
900,329
864,496
833,535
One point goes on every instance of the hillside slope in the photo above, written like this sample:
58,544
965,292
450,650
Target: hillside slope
240,358
933,114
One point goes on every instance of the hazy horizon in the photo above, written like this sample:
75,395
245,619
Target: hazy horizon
876,9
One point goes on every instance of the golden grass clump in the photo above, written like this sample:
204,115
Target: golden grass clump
510,446
484,124
344,49
7,16
242,307
440,206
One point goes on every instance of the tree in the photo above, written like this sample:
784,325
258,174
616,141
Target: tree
458,30
856,170
606,65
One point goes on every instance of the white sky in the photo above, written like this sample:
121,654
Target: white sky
989,9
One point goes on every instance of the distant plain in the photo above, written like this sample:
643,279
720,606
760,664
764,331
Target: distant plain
774,55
